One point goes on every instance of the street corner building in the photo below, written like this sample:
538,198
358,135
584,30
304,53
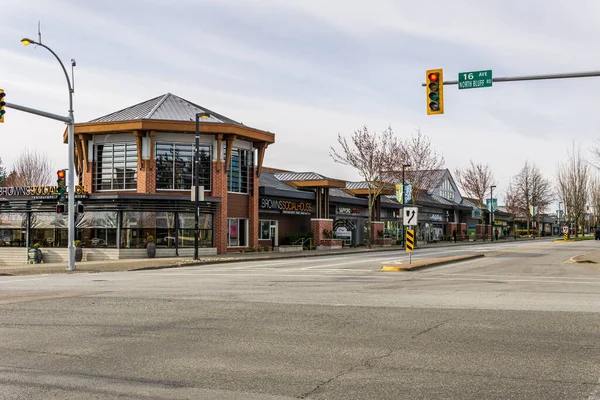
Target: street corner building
135,169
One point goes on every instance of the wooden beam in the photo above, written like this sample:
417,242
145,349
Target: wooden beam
84,141
138,141
152,146
219,147
78,157
261,156
230,139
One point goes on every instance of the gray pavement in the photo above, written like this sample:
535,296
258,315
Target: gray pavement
520,323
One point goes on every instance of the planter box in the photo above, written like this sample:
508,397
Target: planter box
329,244
288,249
386,242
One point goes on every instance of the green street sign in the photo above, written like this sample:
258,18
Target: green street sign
475,79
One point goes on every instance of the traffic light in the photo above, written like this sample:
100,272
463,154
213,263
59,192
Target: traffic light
61,185
2,104
79,207
435,91
60,208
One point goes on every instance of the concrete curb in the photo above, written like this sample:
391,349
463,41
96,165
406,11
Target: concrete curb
429,264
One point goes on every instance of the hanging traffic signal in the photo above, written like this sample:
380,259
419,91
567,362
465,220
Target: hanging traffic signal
435,91
61,185
2,104
60,208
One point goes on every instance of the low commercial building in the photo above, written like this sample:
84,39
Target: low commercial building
135,171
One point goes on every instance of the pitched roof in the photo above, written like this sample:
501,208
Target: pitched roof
430,179
300,176
167,107
364,185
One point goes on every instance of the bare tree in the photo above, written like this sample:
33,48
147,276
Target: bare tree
530,189
373,155
31,169
595,198
573,183
475,180
423,158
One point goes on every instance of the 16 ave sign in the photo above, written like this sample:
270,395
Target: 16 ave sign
475,79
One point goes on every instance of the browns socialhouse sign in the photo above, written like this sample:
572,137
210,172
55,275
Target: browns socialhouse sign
287,206
39,192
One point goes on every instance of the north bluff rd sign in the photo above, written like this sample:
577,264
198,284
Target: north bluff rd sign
475,79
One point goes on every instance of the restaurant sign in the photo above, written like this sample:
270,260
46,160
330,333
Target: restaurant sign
287,206
39,192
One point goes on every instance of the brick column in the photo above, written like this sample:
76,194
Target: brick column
317,226
376,227
219,190
146,177
253,210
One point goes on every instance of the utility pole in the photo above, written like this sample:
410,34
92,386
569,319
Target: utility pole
492,213
197,182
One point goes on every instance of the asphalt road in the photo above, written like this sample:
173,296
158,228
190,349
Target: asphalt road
520,323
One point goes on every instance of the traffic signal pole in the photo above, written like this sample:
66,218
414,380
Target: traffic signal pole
567,75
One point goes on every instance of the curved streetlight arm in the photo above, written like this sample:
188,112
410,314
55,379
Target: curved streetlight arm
63,68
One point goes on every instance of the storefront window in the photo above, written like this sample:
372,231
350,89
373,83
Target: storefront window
136,227
237,232
237,176
97,229
175,166
186,230
264,229
49,229
116,166
13,229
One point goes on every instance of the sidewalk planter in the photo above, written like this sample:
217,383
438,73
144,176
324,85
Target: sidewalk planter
78,251
150,247
330,244
38,255
289,249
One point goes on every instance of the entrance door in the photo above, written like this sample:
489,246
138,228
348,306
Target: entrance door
275,239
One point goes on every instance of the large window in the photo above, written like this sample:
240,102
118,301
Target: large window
175,166
264,229
116,166
447,191
97,229
48,230
237,233
186,230
12,229
237,176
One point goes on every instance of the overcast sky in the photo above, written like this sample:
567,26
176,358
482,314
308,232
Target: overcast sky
310,69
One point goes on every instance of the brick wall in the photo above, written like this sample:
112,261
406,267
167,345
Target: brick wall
317,227
219,189
146,177
376,227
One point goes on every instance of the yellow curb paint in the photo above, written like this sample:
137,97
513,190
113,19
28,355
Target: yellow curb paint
392,269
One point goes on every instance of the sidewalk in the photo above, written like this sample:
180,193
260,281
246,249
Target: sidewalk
140,264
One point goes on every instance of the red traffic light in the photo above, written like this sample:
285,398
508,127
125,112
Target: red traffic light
60,208
433,77
61,174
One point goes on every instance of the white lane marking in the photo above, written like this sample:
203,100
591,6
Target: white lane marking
520,276
23,280
507,280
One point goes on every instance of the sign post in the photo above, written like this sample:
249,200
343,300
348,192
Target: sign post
475,79
410,243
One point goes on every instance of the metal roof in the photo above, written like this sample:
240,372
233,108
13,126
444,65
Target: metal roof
167,107
300,176
429,179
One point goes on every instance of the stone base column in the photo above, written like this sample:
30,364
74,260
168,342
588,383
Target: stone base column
318,226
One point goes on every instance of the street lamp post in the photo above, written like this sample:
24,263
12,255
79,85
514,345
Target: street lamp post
71,150
559,215
404,166
197,181
492,212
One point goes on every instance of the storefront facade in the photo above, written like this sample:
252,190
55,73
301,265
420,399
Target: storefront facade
136,169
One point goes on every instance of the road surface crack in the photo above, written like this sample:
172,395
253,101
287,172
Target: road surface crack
429,329
365,363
